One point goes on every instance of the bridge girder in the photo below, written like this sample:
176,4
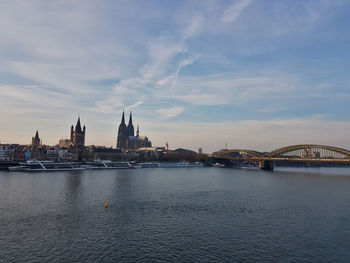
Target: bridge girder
279,152
250,152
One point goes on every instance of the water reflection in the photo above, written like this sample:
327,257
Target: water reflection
72,188
177,215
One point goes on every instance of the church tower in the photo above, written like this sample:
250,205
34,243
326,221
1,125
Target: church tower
77,135
138,131
122,134
130,126
36,140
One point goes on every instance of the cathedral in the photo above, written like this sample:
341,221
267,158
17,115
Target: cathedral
126,136
77,136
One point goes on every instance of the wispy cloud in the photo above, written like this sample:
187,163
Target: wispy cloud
182,63
170,112
98,57
232,89
234,11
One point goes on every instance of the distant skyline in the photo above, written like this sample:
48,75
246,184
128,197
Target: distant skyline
255,74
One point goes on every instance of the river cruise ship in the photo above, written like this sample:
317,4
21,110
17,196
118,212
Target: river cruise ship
45,166
109,165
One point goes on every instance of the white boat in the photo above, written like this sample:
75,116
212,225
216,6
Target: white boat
217,165
150,165
180,165
45,166
109,165
198,164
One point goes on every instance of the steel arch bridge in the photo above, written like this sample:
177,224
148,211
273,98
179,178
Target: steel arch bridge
279,152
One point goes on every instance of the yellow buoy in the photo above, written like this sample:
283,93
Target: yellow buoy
106,205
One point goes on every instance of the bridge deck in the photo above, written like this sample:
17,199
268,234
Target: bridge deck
281,159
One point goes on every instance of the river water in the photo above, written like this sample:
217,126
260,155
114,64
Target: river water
176,215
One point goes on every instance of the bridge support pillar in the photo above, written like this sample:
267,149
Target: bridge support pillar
266,165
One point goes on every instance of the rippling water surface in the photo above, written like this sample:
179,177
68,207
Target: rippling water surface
176,215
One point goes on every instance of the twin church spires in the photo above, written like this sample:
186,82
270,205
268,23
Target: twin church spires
126,136
124,132
130,127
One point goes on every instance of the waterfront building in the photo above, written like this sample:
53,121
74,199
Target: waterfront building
184,151
7,154
127,140
64,143
15,152
103,153
52,155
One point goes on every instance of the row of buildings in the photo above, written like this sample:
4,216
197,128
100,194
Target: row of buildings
129,145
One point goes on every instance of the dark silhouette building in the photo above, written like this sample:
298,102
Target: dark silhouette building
36,142
123,133
127,140
36,150
77,136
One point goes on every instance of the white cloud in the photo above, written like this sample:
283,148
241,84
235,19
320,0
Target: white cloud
235,10
136,104
98,57
155,80
170,112
193,28
182,63
222,89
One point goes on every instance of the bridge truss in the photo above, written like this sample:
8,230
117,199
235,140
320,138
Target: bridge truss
306,151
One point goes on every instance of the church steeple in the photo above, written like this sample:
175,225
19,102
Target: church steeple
122,134
37,135
77,136
130,119
138,131
78,126
123,119
36,140
130,126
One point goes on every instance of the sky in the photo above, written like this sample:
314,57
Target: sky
249,74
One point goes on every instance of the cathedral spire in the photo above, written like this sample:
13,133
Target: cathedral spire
130,119
138,131
123,118
130,126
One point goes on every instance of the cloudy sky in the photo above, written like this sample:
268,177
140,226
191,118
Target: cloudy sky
256,74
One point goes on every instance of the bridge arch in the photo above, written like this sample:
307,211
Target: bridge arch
227,152
279,152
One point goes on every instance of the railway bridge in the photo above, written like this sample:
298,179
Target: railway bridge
303,153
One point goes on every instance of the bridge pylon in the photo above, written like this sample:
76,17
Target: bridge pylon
266,165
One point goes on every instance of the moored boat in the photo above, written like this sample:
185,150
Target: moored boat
149,165
180,165
109,165
45,166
